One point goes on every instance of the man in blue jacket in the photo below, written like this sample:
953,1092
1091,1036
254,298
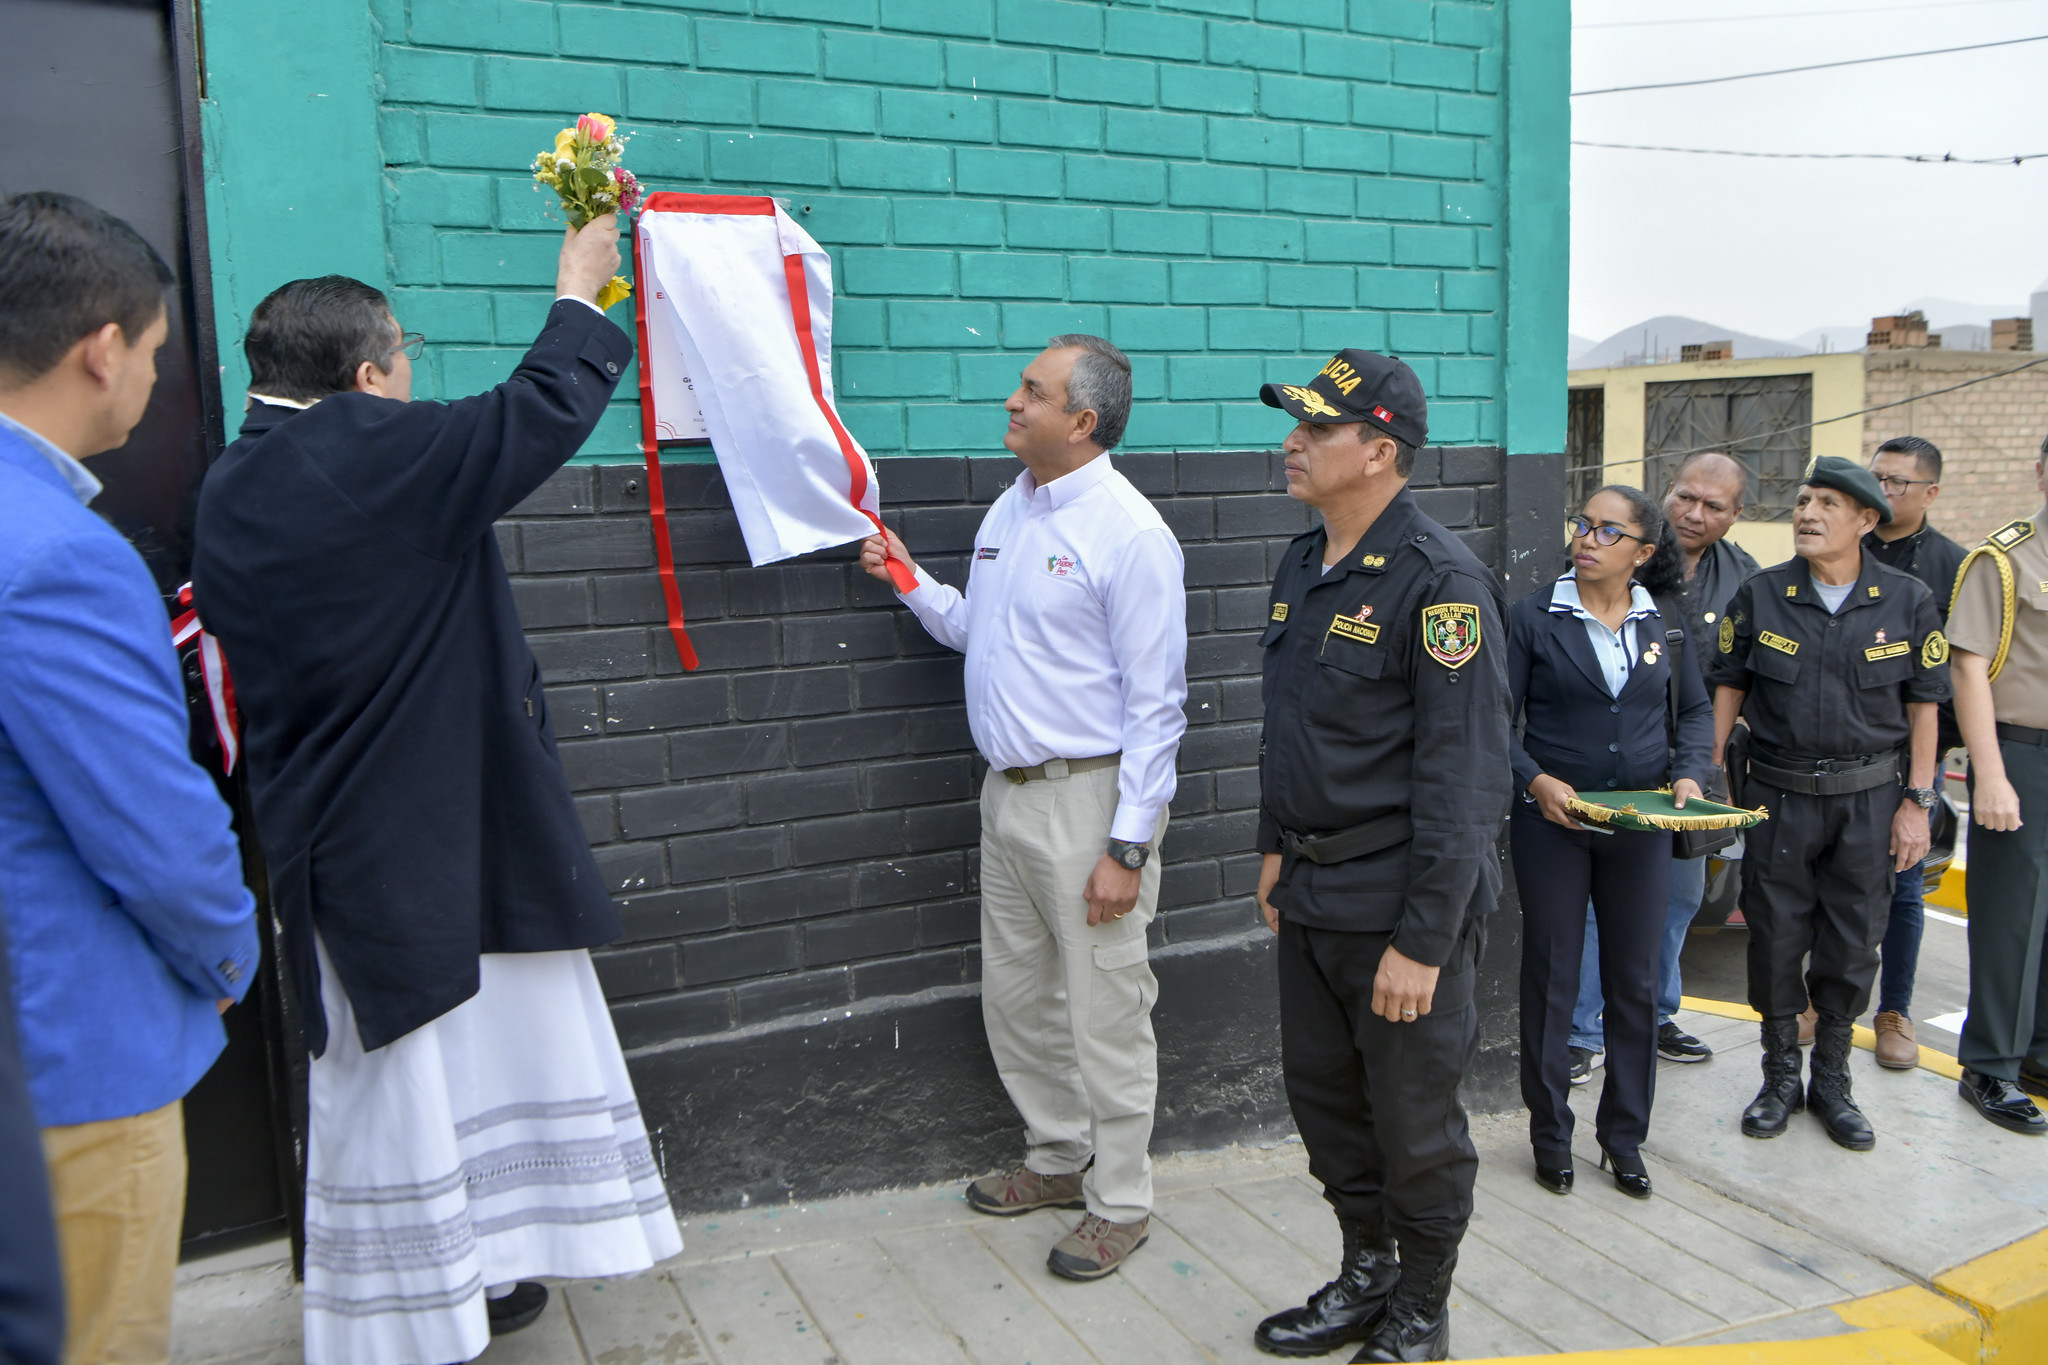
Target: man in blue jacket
130,928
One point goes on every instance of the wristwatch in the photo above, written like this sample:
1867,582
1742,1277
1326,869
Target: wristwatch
1128,856
1923,797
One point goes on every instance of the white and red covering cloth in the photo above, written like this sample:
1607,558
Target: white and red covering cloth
500,1142
735,319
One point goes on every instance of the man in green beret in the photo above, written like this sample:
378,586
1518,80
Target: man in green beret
1838,663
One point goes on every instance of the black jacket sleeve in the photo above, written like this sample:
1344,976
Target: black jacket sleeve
1521,642
1728,656
1930,680
437,475
1461,789
1695,738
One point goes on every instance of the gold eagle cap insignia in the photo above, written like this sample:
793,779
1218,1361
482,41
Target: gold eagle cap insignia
1311,400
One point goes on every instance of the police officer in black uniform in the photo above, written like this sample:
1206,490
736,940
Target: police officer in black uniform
1838,662
1384,779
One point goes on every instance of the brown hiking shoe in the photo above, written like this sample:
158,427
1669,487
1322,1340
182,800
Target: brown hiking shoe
1897,1046
1096,1247
1021,1189
1808,1022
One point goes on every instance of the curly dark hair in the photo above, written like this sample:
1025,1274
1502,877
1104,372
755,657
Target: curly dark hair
1664,572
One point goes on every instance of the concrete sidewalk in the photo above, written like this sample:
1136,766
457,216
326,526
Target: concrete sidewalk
1744,1241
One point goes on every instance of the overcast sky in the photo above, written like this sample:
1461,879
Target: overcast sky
1777,247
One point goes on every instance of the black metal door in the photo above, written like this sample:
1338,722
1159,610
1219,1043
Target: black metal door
107,93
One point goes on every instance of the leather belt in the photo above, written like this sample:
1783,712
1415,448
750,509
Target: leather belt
1822,776
1061,767
1380,832
2022,734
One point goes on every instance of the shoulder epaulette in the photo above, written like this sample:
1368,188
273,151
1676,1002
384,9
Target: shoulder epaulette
2010,534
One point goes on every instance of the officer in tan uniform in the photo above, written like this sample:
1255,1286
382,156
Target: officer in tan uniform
1998,627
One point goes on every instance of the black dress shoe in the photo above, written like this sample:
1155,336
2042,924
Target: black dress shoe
1636,1183
1556,1179
2034,1080
1348,1308
517,1309
2004,1103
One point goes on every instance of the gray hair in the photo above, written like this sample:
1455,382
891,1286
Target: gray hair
1101,380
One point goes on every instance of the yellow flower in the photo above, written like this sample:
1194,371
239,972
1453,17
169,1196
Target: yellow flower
615,289
565,142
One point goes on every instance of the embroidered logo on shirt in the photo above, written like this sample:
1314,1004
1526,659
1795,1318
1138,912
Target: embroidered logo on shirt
1778,642
1279,611
1351,629
1935,651
1450,632
1876,652
1061,566
988,552
1727,635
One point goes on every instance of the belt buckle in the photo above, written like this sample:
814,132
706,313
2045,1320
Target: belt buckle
1823,767
1016,776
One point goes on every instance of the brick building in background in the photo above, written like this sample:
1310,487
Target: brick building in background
1228,189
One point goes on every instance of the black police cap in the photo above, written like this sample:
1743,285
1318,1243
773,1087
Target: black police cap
1846,476
1358,386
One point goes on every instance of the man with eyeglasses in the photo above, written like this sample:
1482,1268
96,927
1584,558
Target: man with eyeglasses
471,1125
1908,468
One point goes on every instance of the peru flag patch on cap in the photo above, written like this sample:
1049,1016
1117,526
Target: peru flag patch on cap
1383,414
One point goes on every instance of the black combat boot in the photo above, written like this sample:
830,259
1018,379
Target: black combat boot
1828,1097
1345,1309
1782,1095
1418,1321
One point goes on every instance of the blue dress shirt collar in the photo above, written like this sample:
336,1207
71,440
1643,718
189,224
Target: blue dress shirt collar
76,476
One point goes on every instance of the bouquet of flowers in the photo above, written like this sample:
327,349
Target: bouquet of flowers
583,168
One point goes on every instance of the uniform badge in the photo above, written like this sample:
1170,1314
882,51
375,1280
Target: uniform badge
1279,611
1353,629
1310,400
1935,651
1876,591
1791,590
1364,613
1062,566
1450,632
1374,561
1777,642
1880,637
1651,654
1727,635
988,552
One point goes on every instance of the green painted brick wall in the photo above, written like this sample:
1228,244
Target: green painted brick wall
1229,189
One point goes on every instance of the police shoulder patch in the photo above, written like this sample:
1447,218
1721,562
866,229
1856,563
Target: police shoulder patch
1727,635
1935,650
1450,632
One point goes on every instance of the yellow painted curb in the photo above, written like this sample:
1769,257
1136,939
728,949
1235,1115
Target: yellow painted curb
2009,1291
1940,1063
1890,1346
1941,1323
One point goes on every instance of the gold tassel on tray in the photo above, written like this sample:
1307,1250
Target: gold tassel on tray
1648,810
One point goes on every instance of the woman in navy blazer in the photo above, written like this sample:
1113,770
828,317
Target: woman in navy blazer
1591,659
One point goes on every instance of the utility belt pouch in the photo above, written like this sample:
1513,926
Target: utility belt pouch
1380,832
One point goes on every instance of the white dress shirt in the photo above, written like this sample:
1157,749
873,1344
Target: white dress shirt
1616,650
1074,625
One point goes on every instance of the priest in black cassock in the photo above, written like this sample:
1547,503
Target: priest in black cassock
472,1123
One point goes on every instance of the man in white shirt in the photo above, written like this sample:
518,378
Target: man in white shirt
1074,625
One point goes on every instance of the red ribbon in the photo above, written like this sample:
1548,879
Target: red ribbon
213,674
657,499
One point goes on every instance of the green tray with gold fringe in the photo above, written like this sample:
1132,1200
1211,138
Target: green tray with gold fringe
1655,810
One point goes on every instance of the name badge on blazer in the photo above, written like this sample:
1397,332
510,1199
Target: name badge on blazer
1777,642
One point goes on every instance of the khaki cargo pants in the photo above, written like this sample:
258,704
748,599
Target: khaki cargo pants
1069,1007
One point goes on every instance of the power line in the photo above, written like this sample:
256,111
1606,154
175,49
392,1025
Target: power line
1817,66
1880,407
1792,14
1945,158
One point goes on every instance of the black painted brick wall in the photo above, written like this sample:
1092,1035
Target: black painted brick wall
793,826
